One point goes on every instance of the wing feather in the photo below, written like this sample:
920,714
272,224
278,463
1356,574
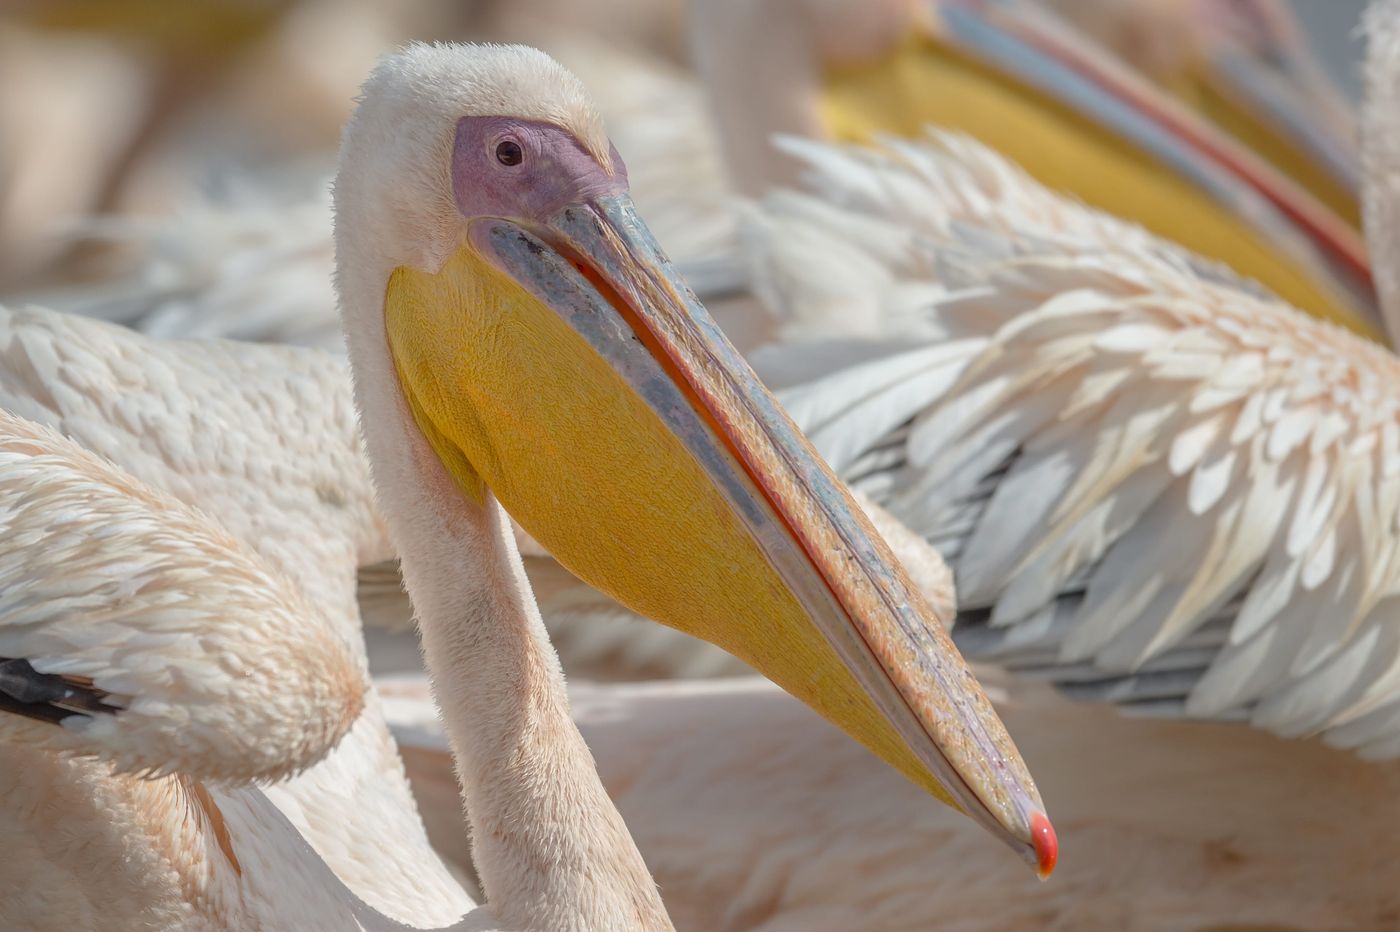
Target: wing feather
1154,481
150,636
290,477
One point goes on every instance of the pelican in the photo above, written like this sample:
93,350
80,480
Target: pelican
1020,80
144,686
1157,485
1248,68
502,303
284,474
482,221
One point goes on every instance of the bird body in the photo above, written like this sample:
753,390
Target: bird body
1017,80
1173,825
283,475
1204,467
146,651
439,238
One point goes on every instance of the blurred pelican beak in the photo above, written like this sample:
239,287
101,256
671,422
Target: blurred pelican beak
565,367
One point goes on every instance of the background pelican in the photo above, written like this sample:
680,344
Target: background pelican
148,657
1248,68
1016,78
1209,471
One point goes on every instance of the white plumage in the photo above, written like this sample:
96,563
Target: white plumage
261,437
1156,486
176,641
180,667
262,441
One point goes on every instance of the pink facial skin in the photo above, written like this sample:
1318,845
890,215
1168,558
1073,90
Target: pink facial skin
554,170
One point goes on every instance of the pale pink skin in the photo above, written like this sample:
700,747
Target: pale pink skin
554,172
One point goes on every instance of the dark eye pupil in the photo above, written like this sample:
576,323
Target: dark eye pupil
508,152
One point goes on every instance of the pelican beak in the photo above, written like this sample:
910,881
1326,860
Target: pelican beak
564,366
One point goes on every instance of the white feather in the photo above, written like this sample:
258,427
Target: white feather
1136,436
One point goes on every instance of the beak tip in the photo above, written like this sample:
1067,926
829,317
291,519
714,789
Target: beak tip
1047,846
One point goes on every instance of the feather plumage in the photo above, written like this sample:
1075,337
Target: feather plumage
168,645
259,443
1144,443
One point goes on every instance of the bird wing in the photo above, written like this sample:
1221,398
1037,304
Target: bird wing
1156,486
262,438
149,636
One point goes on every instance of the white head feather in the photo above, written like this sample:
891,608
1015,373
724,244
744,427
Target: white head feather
396,153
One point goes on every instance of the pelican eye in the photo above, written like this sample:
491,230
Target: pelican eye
508,152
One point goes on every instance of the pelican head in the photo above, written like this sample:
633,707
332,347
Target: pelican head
498,285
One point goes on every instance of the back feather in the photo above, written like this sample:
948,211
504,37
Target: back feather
134,629
1156,484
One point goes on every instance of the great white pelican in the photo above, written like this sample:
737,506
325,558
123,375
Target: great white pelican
1019,79
1157,485
503,305
516,336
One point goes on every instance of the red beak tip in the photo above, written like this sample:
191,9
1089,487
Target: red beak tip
1047,846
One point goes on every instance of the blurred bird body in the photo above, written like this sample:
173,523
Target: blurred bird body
1018,80
1173,826
1202,467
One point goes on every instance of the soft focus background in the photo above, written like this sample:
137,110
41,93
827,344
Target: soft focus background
136,105
1331,25
142,107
